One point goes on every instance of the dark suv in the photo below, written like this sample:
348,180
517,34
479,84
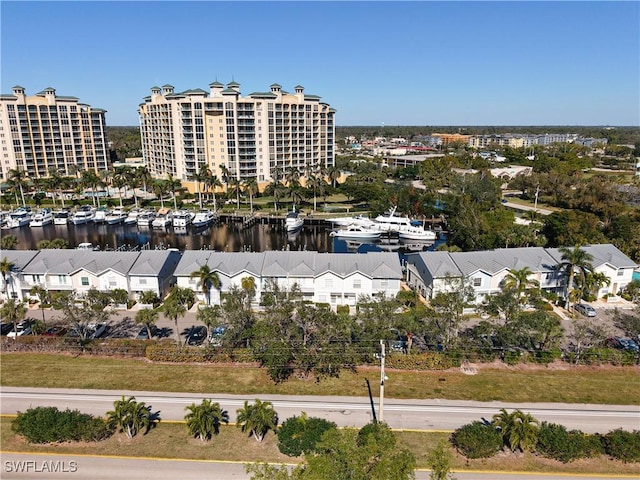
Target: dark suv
197,335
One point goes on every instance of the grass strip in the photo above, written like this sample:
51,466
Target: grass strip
171,440
596,385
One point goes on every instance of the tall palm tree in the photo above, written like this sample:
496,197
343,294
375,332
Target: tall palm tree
574,261
147,317
204,420
519,282
213,183
173,185
43,296
143,176
130,416
594,281
251,186
13,311
235,185
333,173
90,179
198,178
120,181
6,269
208,278
160,188
257,419
173,308
18,177
226,176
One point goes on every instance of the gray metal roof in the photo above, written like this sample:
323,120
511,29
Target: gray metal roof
66,262
282,264
20,258
230,264
191,261
602,254
439,264
154,262
372,264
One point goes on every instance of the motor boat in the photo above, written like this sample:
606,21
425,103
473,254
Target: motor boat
82,216
182,218
163,219
360,220
61,217
356,232
417,233
19,218
204,218
146,218
115,217
41,218
100,215
293,222
132,217
391,223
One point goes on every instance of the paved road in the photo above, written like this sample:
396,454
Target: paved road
345,411
73,467
526,208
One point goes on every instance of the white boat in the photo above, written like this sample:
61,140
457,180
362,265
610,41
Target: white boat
360,220
84,215
100,215
41,218
19,218
145,218
132,217
163,218
204,218
356,232
293,222
417,233
85,246
391,223
115,217
61,217
181,218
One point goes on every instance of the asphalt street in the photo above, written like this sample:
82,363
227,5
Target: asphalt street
345,411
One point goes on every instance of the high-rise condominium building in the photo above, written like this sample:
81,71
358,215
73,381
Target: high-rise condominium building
46,131
263,135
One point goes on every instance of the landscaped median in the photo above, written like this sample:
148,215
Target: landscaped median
171,440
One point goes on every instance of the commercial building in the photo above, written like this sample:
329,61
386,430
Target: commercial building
260,136
47,131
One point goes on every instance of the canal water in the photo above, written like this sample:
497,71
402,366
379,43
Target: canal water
224,237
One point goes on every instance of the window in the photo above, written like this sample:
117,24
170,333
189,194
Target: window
477,282
62,279
143,281
328,282
620,272
357,283
84,281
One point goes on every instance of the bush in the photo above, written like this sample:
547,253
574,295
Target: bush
477,440
419,361
298,435
554,441
48,425
623,445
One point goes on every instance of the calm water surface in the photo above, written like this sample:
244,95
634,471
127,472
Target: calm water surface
223,237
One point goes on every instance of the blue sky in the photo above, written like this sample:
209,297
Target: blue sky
391,63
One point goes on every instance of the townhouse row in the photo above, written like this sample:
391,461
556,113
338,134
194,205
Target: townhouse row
337,279
428,272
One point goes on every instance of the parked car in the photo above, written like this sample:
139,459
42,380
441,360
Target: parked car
629,345
215,337
97,330
197,335
56,331
143,334
585,309
23,328
5,328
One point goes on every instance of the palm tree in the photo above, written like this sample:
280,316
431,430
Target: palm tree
251,186
6,268
147,317
120,180
226,175
129,416
203,421
90,179
519,281
160,188
595,281
257,419
235,185
18,177
333,173
143,176
173,308
574,262
213,183
208,278
519,429
43,295
172,186
198,178
14,312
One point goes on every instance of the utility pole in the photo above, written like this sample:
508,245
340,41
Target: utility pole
535,205
382,379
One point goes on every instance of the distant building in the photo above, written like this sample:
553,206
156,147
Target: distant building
261,136
46,131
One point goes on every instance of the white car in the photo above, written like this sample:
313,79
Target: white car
586,310
23,328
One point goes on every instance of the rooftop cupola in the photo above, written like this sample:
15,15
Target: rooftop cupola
275,88
155,90
18,90
167,89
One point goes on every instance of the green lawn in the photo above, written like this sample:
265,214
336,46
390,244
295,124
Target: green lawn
170,440
599,385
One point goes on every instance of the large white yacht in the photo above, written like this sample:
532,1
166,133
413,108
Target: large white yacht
145,218
41,218
19,218
82,216
204,218
61,217
182,218
392,223
115,216
293,222
163,219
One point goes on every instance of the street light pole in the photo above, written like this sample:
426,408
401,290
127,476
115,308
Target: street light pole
382,379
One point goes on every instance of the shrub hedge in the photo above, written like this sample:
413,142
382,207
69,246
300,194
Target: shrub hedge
477,440
554,441
623,445
419,361
48,425
298,435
